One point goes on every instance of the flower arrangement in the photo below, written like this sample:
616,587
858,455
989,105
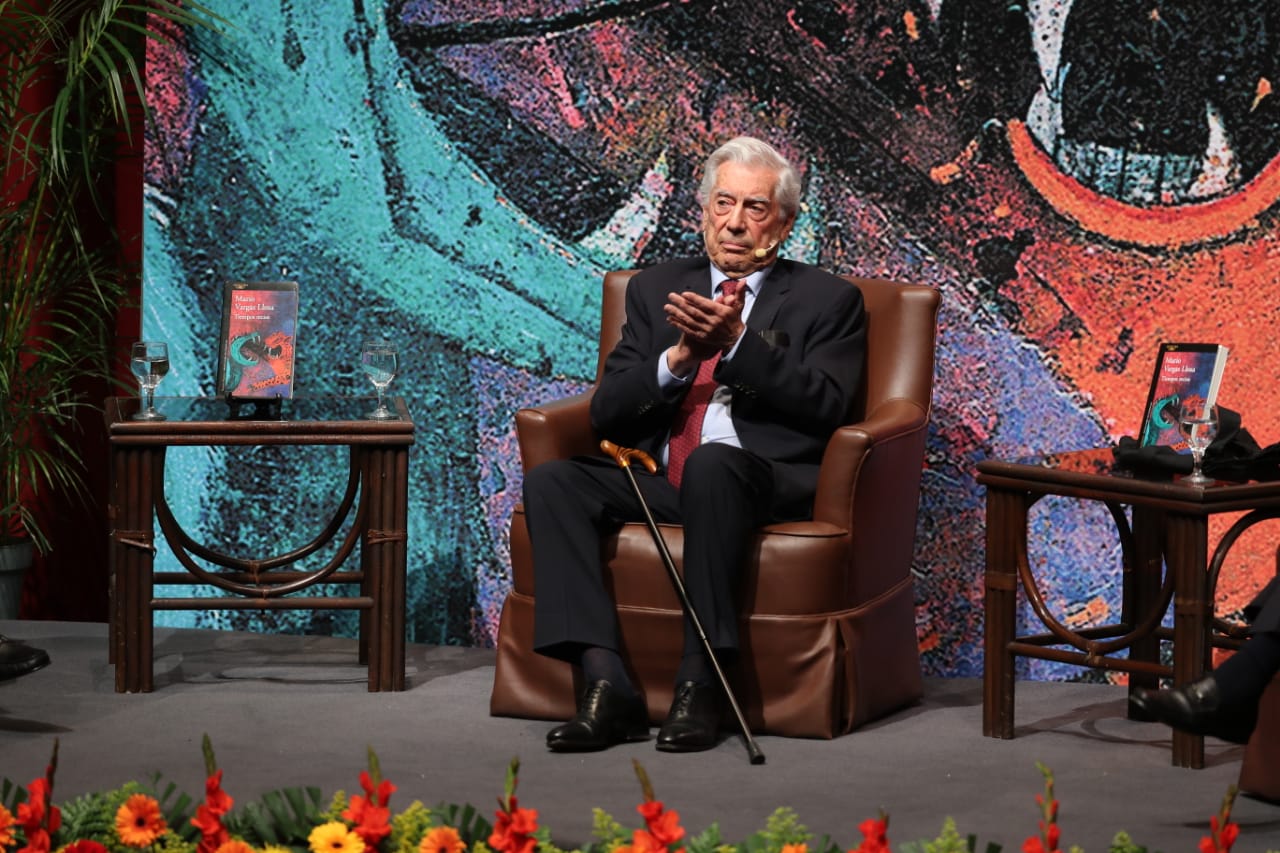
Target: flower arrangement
156,818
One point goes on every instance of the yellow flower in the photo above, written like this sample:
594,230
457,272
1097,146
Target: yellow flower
442,839
6,827
235,845
334,837
139,822
275,848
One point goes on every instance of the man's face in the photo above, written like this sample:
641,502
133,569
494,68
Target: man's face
740,216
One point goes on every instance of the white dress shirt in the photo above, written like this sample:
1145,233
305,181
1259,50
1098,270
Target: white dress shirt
718,423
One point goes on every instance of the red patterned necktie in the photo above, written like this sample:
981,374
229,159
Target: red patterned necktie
686,428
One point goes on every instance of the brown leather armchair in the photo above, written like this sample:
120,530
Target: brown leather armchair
828,619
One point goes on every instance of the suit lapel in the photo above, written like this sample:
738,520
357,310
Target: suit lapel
776,289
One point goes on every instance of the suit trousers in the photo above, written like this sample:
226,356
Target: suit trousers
571,505
1263,612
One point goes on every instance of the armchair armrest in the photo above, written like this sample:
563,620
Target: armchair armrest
886,446
869,484
556,430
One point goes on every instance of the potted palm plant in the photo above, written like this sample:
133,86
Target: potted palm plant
70,92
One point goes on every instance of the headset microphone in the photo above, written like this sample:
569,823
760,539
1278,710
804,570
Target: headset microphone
764,253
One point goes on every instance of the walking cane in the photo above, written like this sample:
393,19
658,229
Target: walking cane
623,456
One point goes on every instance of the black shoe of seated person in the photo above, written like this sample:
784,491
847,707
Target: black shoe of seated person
18,659
1197,708
693,723
606,716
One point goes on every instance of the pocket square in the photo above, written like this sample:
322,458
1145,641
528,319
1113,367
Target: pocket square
775,338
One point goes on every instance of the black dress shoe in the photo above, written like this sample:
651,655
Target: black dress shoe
693,721
1197,708
605,716
17,658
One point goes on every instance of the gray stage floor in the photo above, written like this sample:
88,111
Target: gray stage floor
286,711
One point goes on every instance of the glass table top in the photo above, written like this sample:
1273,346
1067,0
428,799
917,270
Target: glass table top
180,410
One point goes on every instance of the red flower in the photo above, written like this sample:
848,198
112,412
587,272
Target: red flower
663,825
37,817
1222,832
513,833
875,837
84,845
212,833
1050,834
208,819
642,841
369,813
217,802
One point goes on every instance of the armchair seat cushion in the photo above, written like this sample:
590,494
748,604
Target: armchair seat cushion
796,569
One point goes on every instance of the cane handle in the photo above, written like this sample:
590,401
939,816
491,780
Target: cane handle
624,455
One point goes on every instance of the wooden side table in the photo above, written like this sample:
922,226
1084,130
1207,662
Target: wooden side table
377,491
1166,559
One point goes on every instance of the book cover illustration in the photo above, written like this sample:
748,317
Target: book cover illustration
1184,371
259,332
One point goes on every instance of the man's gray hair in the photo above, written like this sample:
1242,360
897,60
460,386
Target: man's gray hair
749,151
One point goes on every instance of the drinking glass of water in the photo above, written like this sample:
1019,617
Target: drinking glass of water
379,358
149,362
1198,424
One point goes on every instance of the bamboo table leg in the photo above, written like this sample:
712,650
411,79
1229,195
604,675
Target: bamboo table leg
132,551
383,554
1141,591
1186,551
1006,540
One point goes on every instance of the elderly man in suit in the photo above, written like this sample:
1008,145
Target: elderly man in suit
733,370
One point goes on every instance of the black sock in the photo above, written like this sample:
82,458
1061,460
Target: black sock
601,664
1242,677
696,667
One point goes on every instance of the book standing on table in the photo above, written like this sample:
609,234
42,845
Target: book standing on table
1184,372
256,345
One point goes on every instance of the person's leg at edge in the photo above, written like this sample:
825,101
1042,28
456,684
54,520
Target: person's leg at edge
725,496
1224,703
569,504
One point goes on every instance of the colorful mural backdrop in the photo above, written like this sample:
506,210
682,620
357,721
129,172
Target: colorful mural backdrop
1080,180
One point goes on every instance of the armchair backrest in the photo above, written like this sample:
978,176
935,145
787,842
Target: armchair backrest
896,313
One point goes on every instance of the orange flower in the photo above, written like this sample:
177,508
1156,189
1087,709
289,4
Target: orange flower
139,822
6,827
442,839
795,848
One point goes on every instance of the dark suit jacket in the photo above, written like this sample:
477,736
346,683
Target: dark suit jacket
794,376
